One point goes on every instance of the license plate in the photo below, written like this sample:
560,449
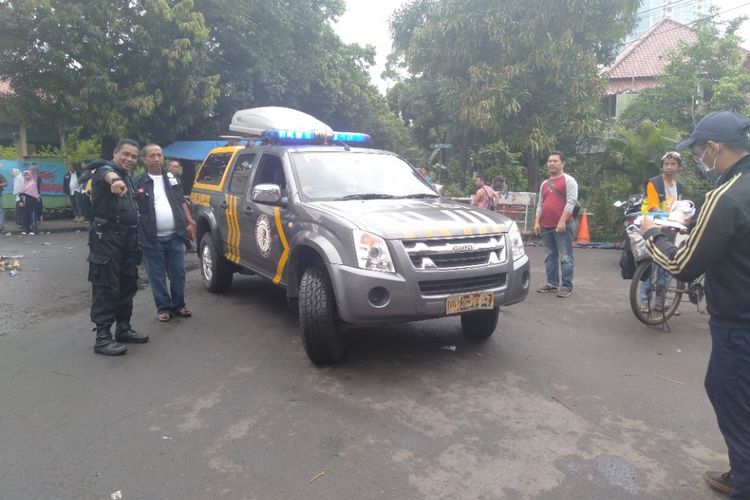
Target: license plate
465,302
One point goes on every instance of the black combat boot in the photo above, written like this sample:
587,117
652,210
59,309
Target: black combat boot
105,345
125,334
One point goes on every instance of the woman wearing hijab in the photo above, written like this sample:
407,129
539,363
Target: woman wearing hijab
29,200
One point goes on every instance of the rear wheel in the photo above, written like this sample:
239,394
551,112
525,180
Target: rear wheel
662,290
322,338
480,325
215,269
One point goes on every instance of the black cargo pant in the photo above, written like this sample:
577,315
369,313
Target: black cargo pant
728,388
113,272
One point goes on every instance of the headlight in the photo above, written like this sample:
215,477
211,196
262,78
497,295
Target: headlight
516,242
372,252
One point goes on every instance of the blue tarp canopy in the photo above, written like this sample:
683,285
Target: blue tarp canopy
191,150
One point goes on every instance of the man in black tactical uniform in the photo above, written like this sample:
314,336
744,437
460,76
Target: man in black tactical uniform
114,253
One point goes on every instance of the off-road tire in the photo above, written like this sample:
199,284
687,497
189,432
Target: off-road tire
216,271
322,338
480,325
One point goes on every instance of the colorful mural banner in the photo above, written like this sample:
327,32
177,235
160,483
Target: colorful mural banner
50,170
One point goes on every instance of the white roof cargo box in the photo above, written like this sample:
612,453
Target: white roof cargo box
255,121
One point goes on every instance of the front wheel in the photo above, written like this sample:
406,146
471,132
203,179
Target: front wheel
322,338
480,325
216,271
662,293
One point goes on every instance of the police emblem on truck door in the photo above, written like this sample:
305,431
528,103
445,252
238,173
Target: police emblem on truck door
263,234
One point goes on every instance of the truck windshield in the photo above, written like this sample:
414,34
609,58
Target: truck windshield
331,175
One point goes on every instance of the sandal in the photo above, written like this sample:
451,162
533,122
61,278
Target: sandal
183,313
164,316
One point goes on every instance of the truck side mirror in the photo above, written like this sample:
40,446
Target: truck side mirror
267,193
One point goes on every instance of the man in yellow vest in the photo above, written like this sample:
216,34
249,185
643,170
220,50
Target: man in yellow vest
661,192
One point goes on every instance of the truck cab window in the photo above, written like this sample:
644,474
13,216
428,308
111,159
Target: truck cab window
213,168
241,174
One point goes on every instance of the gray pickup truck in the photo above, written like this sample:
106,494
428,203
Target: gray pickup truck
354,235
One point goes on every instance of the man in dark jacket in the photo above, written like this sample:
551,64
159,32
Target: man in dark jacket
719,246
113,250
164,227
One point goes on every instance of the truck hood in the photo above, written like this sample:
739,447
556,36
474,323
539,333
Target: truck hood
409,219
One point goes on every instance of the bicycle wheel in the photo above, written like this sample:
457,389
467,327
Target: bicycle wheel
663,292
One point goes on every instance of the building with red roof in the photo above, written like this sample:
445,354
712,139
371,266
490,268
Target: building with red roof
642,61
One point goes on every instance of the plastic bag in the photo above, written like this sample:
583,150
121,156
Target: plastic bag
637,244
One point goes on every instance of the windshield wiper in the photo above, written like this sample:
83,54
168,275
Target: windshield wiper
421,195
367,196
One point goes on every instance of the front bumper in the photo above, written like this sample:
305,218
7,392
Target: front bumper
374,297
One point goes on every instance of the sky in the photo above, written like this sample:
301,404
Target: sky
366,22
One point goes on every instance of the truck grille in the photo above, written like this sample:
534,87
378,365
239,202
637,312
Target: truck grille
456,253
461,285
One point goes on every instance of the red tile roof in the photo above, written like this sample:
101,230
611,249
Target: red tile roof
646,56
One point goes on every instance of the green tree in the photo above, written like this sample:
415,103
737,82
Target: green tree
634,154
706,76
134,68
527,70
280,53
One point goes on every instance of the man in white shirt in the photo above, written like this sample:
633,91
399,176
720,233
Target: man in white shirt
164,226
72,188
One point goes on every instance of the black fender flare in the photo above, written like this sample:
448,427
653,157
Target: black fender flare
207,218
322,246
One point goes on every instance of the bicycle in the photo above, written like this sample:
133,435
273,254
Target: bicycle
664,293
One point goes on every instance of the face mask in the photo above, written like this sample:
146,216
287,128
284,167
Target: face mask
705,168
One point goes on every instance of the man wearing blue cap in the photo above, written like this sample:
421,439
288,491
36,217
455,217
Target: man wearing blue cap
719,246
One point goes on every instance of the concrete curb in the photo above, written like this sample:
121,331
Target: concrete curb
49,227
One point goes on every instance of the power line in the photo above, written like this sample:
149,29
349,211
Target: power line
663,6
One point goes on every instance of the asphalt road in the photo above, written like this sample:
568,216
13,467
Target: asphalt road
570,399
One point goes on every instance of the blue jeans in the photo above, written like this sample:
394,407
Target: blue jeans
2,210
75,204
661,280
166,260
728,388
558,256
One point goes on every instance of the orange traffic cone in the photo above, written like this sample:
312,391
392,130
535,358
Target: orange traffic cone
583,230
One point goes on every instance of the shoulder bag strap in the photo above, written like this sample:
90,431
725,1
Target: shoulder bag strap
558,193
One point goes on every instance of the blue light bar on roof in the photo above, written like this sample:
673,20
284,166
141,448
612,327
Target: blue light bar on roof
350,137
295,136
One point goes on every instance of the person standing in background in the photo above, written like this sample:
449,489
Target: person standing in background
485,197
71,188
425,173
164,227
17,184
29,201
85,181
40,202
554,222
3,183
175,168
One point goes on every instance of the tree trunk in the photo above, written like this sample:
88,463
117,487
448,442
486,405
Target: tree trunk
108,147
532,171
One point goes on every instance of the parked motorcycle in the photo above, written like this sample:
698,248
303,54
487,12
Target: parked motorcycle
631,209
